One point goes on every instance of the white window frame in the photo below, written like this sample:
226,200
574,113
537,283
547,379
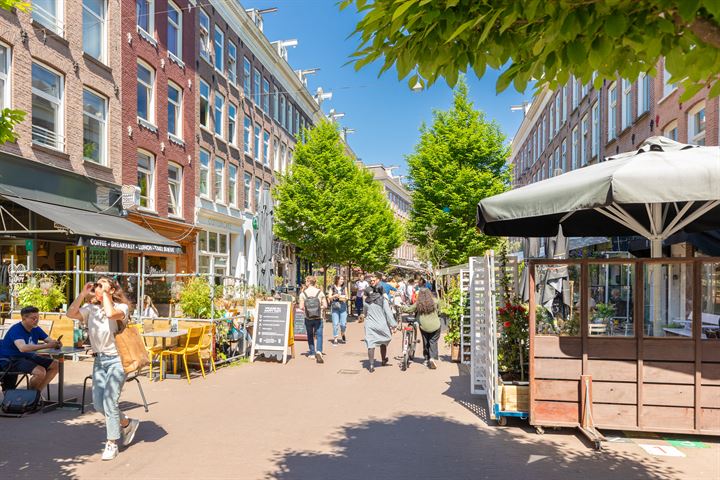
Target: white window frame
247,191
595,130
296,124
584,134
103,29
247,135
209,108
257,194
204,35
232,124
558,113
276,99
626,104
266,148
612,112
45,18
232,62
219,50
551,125
266,96
276,154
219,113
563,155
179,183
151,94
574,140
178,133
232,184
102,160
204,168
6,77
257,143
564,103
283,157
219,191
697,136
575,92
643,94
282,112
668,87
247,80
669,128
257,85
178,29
150,197
59,135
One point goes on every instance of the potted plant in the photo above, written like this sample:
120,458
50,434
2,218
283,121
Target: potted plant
452,308
43,293
513,354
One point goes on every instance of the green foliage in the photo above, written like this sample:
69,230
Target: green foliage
195,300
514,341
459,161
21,5
604,311
540,41
46,297
453,308
8,119
331,208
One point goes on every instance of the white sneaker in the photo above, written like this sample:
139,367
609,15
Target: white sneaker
128,433
111,451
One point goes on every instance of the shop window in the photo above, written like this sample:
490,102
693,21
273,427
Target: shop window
710,301
212,242
47,108
94,127
668,293
174,33
202,241
175,190
146,179
558,296
94,13
610,300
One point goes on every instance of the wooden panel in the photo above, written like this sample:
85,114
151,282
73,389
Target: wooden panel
668,417
669,349
668,395
613,370
612,348
669,372
550,412
557,347
711,373
565,369
710,396
710,420
614,416
710,350
614,392
63,326
559,390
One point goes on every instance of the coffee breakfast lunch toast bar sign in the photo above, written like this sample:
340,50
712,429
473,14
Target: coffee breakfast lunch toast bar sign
131,246
272,329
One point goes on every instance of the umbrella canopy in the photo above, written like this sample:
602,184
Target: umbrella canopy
264,265
663,188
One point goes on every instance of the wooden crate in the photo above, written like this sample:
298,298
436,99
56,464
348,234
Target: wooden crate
515,398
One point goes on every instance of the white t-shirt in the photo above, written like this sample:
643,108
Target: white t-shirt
361,286
101,331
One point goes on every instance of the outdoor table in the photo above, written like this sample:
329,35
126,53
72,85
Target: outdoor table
59,355
682,332
164,335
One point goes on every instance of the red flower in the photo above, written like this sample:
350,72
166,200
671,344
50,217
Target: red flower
506,324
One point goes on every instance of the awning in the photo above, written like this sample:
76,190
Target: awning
100,230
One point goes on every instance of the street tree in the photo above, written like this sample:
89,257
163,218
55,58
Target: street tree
458,161
543,42
10,117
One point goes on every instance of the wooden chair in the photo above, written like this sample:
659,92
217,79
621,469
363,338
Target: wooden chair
46,325
597,329
192,347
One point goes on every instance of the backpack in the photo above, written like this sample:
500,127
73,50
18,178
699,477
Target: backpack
312,306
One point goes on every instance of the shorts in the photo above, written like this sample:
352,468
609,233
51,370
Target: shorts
28,364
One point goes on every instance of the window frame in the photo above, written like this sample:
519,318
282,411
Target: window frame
178,106
595,130
219,130
178,26
219,193
60,102
204,166
257,197
626,105
57,23
574,145
6,77
584,134
206,126
232,62
266,148
282,112
232,124
257,143
204,30
563,156
612,112
276,154
103,30
692,136
257,81
247,80
104,127
179,183
247,191
152,203
151,95
643,94
232,185
219,50
247,135
266,96
673,125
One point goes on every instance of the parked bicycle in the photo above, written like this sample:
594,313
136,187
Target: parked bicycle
409,335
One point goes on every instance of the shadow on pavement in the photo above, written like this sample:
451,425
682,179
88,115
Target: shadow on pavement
432,447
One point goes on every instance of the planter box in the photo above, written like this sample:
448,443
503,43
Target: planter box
515,398
455,353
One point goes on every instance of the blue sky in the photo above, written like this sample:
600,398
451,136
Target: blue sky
385,114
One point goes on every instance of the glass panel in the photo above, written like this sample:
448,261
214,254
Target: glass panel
668,300
202,241
223,243
710,301
93,127
610,300
212,244
93,23
204,264
557,294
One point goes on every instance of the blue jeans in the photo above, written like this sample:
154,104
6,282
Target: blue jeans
358,306
314,334
339,317
108,379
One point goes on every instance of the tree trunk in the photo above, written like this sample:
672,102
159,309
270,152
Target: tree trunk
325,267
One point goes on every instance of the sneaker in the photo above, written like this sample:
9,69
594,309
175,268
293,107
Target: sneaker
334,342
343,338
310,354
111,451
431,364
128,433
319,358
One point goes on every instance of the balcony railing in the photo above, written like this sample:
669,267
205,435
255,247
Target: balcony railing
48,138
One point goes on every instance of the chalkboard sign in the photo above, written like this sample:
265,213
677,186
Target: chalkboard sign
299,330
272,325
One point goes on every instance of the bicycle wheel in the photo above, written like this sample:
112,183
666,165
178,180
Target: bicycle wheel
406,347
405,362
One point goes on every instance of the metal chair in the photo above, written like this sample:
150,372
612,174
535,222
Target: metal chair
131,377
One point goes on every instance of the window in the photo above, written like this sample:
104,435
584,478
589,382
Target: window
543,135
612,111
94,127
47,108
145,92
219,110
204,35
247,185
204,104
276,154
283,158
232,124
574,148
204,172
297,122
266,96
275,103
174,110
266,148
232,63
174,190
258,142
247,136
246,77
50,14
643,94
626,104
232,185
258,188
668,87
671,130
551,131
94,14
565,89
5,63
595,144
696,124
219,179
584,134
146,179
558,113
563,160
219,42
174,33
282,111
256,88
288,120
576,92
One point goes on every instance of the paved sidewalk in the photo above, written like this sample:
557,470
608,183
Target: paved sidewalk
333,421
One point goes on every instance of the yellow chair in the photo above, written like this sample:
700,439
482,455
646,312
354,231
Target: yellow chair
192,347
206,345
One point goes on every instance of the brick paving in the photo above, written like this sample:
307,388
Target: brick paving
331,421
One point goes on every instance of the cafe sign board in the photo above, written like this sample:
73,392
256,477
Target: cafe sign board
272,329
130,246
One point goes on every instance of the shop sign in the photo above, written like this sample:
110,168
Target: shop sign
29,245
132,246
272,329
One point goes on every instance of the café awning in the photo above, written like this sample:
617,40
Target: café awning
99,229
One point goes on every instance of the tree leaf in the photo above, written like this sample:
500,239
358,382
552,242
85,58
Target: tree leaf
616,24
460,30
688,8
402,9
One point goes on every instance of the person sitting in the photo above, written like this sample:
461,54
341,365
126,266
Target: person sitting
21,342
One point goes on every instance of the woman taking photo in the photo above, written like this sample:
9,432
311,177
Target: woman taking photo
425,310
379,320
338,296
105,314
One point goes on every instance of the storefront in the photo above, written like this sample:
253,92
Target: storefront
182,261
226,244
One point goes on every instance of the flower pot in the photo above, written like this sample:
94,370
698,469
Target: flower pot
455,353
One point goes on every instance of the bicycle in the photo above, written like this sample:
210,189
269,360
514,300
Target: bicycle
408,343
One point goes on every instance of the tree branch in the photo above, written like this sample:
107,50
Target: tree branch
705,29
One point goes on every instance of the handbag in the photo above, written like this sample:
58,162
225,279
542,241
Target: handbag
20,402
131,348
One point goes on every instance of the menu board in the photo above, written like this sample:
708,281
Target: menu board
272,325
299,330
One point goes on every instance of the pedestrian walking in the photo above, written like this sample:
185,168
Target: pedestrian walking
425,310
105,315
360,285
379,324
312,300
338,295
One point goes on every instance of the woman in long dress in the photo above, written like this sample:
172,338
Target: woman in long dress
379,321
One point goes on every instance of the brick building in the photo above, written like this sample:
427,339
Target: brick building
159,87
